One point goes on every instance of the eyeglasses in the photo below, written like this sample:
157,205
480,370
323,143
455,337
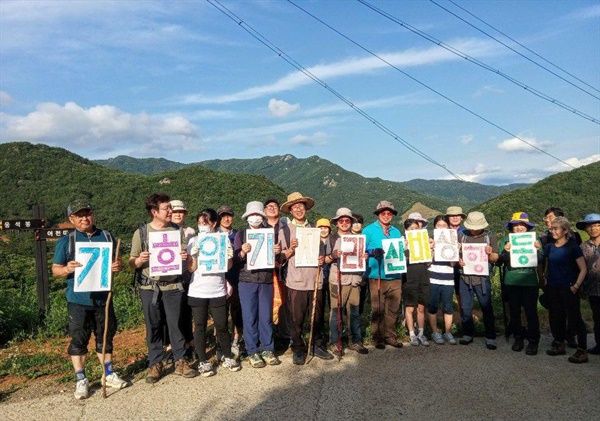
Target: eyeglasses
87,214
343,221
166,209
296,208
386,213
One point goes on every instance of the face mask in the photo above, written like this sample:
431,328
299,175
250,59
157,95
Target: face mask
255,220
203,229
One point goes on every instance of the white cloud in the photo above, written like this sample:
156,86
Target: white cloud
280,108
516,145
466,139
591,12
480,172
348,67
574,162
487,89
101,128
409,99
316,139
5,99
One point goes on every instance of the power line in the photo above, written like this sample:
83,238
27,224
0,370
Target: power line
473,60
430,88
515,51
263,40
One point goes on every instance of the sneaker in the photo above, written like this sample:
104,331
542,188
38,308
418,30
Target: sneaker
206,369
466,340
491,344
113,380
256,361
154,373
532,348
81,389
235,349
579,357
595,350
423,340
413,340
270,358
336,352
448,337
359,347
437,338
518,345
322,353
557,348
231,364
183,368
299,358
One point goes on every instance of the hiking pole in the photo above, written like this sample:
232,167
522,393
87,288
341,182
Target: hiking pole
339,311
379,297
312,316
106,326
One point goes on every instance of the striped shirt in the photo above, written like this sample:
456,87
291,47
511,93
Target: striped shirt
441,274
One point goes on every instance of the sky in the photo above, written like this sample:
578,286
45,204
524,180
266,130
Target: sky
182,81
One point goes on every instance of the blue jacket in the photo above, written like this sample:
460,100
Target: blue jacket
374,234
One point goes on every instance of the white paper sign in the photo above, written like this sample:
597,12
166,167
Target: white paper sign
262,254
165,253
309,243
212,254
96,260
418,246
353,253
394,259
523,253
476,259
446,245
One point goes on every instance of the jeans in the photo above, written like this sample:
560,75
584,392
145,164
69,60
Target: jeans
257,312
526,298
467,298
445,293
565,314
350,305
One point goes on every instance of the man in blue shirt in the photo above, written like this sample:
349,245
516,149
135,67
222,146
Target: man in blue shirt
86,309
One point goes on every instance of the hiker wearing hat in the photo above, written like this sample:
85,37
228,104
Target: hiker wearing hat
386,290
86,310
478,285
256,293
162,296
356,229
349,298
521,288
234,307
300,282
455,217
565,272
591,254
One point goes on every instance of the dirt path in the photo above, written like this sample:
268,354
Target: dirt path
439,382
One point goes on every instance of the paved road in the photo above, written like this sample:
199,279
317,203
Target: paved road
439,382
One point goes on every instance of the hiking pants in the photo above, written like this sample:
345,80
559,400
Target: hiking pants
595,306
300,305
257,312
350,306
526,298
234,309
484,296
167,309
218,309
384,317
83,320
565,314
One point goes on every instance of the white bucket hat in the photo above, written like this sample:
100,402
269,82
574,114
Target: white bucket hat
253,208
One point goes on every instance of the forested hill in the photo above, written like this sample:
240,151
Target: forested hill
329,184
39,174
577,192
147,166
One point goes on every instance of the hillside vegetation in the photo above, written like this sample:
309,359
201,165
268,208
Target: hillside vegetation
146,166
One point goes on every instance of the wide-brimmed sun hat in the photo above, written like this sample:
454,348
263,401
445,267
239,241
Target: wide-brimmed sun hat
254,208
416,216
341,213
385,205
590,218
519,218
454,211
294,198
475,221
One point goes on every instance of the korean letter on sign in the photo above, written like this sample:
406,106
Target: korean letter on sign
476,259
309,244
446,245
262,254
394,259
353,252
523,253
418,246
94,274
212,255
165,253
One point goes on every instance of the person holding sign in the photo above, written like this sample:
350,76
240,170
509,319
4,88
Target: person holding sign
161,290
477,283
348,300
521,284
210,289
251,245
301,281
385,289
591,254
86,310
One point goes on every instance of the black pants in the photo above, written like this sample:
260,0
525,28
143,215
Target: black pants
83,320
218,308
565,310
595,305
166,310
300,305
234,309
526,298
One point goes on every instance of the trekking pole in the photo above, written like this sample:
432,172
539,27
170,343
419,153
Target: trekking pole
312,316
339,311
106,327
379,296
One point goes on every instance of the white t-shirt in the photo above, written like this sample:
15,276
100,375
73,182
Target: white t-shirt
210,285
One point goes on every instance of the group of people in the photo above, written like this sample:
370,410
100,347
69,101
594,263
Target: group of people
269,305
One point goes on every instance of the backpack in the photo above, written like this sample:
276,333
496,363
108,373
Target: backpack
71,247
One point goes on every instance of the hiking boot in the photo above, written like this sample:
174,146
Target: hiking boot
256,361
336,352
299,358
380,344
81,389
532,348
423,340
322,353
518,345
183,368
413,340
448,337
466,340
557,348
394,342
270,358
491,344
358,347
206,369
594,351
579,357
113,380
437,338
154,373
231,364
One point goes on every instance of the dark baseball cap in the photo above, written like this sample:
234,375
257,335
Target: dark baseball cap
272,200
225,210
78,205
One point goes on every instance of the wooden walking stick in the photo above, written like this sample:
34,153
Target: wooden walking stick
312,316
106,326
339,311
